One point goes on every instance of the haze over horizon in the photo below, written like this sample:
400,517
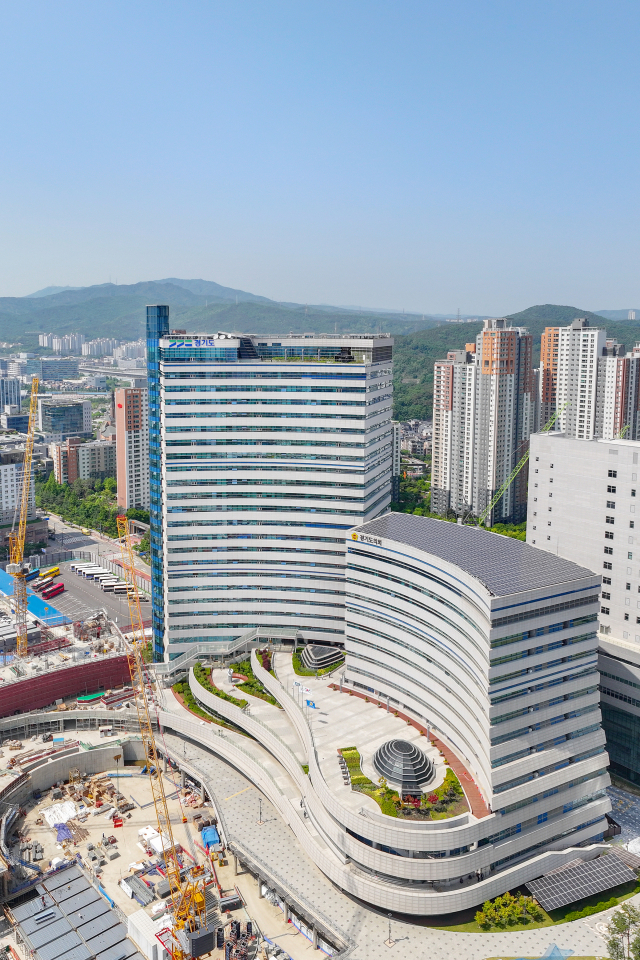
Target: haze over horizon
399,157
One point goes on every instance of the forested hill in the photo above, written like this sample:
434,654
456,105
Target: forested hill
202,306
415,354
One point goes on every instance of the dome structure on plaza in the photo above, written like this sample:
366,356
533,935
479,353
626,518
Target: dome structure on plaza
403,764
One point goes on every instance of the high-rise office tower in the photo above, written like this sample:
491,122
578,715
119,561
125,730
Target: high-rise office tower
263,452
485,408
132,447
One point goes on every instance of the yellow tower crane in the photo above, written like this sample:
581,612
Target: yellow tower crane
187,897
16,566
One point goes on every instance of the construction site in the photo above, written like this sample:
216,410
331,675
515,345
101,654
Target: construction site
108,850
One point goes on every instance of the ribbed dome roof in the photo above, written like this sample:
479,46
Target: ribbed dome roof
402,763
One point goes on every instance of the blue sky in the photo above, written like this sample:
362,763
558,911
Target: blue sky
418,155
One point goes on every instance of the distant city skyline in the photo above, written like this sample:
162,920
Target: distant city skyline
412,156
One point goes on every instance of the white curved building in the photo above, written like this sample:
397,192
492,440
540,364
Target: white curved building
488,644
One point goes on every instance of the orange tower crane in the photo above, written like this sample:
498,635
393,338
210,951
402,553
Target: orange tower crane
16,566
187,897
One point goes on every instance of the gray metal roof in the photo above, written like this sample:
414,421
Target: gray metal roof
32,907
505,566
76,923
66,891
60,878
69,947
120,951
92,927
107,939
88,913
83,899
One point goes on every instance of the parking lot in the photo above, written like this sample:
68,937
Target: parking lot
82,597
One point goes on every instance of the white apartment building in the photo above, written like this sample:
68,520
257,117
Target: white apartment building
617,402
132,447
454,422
485,408
11,490
584,504
268,450
579,349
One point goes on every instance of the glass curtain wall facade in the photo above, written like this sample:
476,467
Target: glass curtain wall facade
157,327
270,451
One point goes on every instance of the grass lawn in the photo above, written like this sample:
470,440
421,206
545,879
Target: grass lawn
468,925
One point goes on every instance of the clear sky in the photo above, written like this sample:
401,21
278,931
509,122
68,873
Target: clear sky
410,153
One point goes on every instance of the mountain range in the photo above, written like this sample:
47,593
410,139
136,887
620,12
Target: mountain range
203,306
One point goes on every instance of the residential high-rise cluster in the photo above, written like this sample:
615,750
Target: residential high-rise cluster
65,343
488,400
99,348
485,407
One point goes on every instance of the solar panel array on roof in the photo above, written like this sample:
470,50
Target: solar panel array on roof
630,859
593,876
504,565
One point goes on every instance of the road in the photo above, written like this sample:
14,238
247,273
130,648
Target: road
68,537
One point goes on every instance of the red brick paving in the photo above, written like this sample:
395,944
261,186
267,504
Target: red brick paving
474,797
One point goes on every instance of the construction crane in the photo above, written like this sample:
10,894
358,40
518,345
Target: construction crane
516,470
188,896
16,566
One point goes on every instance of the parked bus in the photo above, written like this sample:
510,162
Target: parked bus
51,572
90,572
43,584
53,591
108,586
32,575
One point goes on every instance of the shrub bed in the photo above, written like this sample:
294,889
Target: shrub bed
252,685
203,679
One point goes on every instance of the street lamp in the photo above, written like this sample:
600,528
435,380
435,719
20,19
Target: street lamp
389,942
117,759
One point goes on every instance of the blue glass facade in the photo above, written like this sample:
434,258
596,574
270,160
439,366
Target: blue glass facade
157,327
